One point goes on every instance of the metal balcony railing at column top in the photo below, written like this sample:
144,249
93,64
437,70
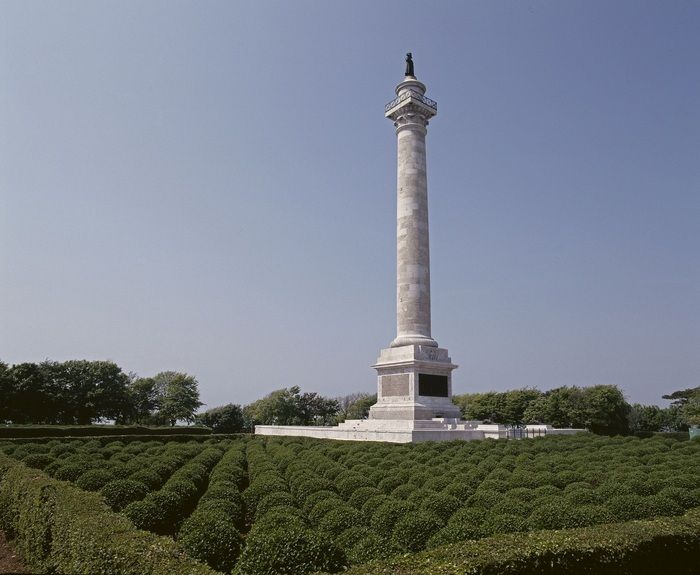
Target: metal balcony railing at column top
411,94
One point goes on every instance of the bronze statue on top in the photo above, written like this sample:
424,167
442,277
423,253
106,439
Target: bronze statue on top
409,65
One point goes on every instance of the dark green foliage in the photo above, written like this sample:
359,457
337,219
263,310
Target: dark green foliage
95,479
38,460
323,507
338,520
412,531
211,537
149,477
347,486
291,551
635,548
59,528
361,495
119,493
314,498
440,505
70,471
275,499
145,514
225,419
388,514
557,515
496,523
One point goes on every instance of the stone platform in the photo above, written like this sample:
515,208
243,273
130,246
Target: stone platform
406,431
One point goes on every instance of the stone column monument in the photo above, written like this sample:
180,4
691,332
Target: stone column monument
415,375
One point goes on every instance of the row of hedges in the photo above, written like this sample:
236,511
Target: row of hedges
164,510
59,528
633,548
281,541
12,431
212,533
377,500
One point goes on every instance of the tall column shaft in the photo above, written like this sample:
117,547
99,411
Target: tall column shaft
412,238
411,117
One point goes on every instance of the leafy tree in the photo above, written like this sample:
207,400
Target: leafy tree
506,407
289,406
143,397
92,389
178,396
690,410
360,408
648,418
683,396
36,397
224,419
600,408
6,393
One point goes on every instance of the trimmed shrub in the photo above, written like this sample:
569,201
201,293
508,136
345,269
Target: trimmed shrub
322,508
557,515
440,505
149,477
388,514
144,514
361,495
314,498
276,499
403,491
349,484
211,537
369,548
372,504
338,520
484,499
412,531
291,551
278,517
38,460
496,523
70,471
118,494
94,479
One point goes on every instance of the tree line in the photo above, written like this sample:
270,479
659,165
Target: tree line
81,392
600,408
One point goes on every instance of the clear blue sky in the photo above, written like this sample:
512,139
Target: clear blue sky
210,187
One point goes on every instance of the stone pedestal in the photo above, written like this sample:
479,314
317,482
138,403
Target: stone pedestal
414,383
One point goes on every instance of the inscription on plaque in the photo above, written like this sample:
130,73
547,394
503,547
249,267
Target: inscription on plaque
432,385
395,384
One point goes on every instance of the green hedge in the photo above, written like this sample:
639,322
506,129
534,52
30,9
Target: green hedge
664,545
59,528
11,431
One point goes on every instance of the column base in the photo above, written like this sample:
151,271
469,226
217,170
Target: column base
412,339
414,383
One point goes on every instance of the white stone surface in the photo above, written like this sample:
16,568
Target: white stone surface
401,431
